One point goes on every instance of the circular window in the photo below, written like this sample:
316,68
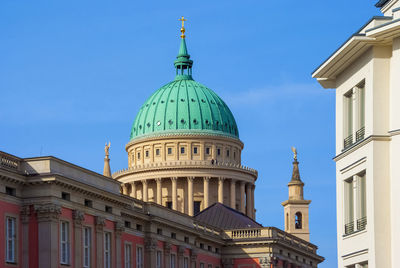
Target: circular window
171,100
170,122
148,124
182,100
207,122
195,121
158,123
140,126
193,100
162,101
202,100
154,103
183,121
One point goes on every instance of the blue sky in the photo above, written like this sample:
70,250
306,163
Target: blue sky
73,75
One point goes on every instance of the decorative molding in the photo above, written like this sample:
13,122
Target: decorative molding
150,243
78,217
25,213
167,248
119,228
100,222
48,212
181,250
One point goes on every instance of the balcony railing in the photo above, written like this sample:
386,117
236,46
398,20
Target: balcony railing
360,224
349,228
360,134
348,141
9,162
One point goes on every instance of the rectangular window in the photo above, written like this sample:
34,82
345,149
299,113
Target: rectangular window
64,243
87,245
88,203
10,191
157,151
210,266
182,150
185,262
159,259
107,250
66,196
128,256
138,156
139,257
173,261
208,150
147,153
201,265
10,239
194,150
169,150
168,204
355,203
128,224
227,153
218,151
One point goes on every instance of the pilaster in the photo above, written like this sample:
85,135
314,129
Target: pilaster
100,222
119,229
190,195
25,218
78,217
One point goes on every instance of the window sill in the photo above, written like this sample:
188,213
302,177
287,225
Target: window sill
355,233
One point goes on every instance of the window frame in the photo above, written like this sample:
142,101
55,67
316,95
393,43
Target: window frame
65,242
172,257
107,249
139,261
13,239
128,255
159,261
87,246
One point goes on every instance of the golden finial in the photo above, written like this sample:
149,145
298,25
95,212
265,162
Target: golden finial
183,28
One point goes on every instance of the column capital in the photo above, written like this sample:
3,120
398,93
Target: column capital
144,182
181,251
78,216
193,255
221,178
191,178
167,247
150,243
119,228
25,213
233,180
158,180
100,222
48,212
207,178
242,183
174,179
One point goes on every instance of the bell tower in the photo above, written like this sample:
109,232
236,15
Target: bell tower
296,208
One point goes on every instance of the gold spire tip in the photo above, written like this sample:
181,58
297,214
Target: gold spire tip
183,26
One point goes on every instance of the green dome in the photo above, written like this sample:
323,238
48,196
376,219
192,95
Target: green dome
184,106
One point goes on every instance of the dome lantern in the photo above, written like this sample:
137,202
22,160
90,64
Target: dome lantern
183,63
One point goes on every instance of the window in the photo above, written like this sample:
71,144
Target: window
173,261
87,244
169,150
107,250
298,220
159,231
157,152
216,250
65,196
138,227
210,266
10,191
127,224
139,257
128,255
173,235
355,203
88,203
159,259
186,239
168,204
196,207
108,209
234,155
201,245
147,153
218,151
185,262
138,155
195,150
10,239
209,248
182,150
208,151
354,115
227,153
64,243
201,265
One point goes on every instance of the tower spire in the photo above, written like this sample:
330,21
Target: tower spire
183,63
296,208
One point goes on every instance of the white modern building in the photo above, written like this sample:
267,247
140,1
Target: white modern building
365,71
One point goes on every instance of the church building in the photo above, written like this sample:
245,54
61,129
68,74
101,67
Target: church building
184,201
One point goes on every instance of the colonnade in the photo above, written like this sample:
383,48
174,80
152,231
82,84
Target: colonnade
245,198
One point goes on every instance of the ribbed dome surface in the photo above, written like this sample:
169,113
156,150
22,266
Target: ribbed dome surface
184,106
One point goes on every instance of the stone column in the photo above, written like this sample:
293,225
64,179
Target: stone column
25,218
124,188
227,263
253,210
221,190
248,200
167,254
242,206
174,194
48,222
144,190
142,156
193,258
233,193
206,191
78,217
190,195
133,189
100,222
159,191
181,252
119,229
150,246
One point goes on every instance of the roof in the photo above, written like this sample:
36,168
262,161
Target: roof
381,3
184,106
224,217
